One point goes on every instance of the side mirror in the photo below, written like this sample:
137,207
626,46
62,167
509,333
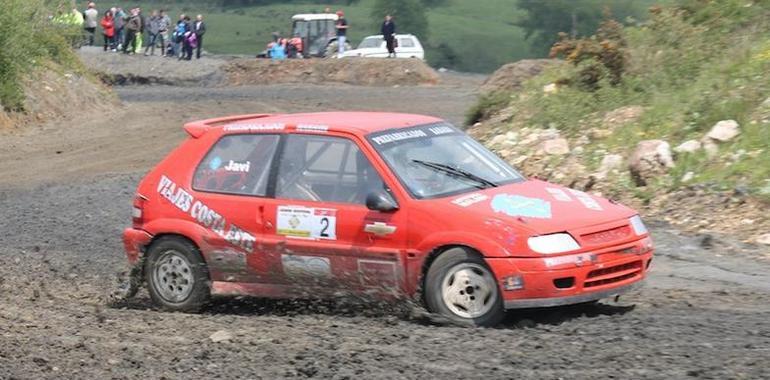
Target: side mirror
380,201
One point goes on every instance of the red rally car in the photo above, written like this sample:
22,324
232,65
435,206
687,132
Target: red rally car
391,205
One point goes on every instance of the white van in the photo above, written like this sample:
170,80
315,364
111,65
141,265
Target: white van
374,47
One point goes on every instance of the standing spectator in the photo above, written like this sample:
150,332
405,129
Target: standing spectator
200,29
190,43
186,47
389,34
139,36
120,27
342,32
133,27
108,29
153,28
91,20
163,25
77,17
182,26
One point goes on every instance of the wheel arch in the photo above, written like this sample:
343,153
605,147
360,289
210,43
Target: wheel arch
433,255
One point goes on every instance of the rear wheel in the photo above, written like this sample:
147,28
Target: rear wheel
461,287
176,275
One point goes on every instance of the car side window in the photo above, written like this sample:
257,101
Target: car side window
237,164
406,42
325,169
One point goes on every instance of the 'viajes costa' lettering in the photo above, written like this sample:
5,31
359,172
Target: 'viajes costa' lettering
204,215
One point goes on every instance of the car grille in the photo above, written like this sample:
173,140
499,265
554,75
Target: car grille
613,274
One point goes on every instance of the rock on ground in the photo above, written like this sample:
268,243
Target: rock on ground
724,131
513,75
557,147
689,146
622,116
651,158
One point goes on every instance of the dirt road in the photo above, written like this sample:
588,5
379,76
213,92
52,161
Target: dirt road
65,192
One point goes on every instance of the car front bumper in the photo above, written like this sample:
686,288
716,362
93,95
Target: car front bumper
570,279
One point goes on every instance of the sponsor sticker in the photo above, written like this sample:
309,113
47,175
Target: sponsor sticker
399,136
517,205
238,167
558,194
470,199
312,127
307,223
377,273
204,215
306,266
577,260
254,127
587,201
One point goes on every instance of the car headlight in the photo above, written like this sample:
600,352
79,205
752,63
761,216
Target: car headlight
554,243
638,226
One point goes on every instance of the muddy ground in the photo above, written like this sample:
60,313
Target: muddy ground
65,193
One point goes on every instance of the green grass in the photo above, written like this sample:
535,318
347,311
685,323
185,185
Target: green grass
688,73
28,42
481,34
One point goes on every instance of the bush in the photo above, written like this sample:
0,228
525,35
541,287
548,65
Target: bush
601,53
27,38
487,105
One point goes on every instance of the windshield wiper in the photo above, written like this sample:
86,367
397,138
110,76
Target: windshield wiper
457,172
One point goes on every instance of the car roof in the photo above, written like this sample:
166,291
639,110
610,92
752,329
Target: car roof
397,35
360,123
314,16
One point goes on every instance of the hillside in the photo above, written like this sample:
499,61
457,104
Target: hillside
41,79
684,130
480,35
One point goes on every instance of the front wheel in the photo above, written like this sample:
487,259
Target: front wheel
177,277
461,287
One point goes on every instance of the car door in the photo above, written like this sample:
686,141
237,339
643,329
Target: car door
406,48
319,231
229,187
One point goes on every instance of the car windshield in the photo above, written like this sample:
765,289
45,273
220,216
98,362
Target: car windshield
370,42
438,160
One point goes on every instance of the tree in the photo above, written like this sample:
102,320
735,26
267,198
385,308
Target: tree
546,19
409,15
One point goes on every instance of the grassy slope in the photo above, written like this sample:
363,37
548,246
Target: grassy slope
481,33
688,74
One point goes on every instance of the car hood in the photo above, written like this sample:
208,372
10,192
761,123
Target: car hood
356,52
540,206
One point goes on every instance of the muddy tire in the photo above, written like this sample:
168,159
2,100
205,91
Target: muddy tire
461,287
176,275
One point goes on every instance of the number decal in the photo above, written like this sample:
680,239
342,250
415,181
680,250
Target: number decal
325,224
307,223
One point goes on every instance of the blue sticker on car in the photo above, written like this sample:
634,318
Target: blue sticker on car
215,163
517,205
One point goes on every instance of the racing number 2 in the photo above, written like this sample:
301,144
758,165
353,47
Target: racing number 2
325,224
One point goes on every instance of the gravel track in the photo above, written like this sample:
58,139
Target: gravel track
703,313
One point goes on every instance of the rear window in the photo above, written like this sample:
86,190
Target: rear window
237,164
406,42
